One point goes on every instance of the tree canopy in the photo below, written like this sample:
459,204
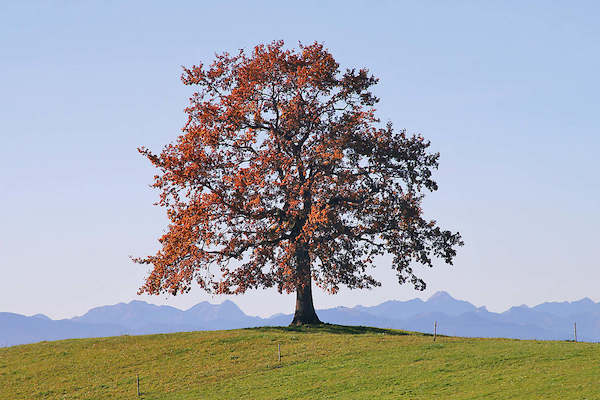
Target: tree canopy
284,175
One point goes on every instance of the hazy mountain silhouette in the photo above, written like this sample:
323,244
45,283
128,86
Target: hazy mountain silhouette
139,317
545,321
440,301
19,329
567,309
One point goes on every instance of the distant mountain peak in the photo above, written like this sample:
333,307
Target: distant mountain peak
518,308
440,295
136,302
228,305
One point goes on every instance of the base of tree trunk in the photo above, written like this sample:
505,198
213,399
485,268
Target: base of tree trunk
304,320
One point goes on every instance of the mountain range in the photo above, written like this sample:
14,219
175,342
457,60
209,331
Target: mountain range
547,321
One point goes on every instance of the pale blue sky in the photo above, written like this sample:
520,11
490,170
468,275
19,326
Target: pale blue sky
508,92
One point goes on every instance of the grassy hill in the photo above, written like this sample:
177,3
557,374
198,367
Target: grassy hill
317,363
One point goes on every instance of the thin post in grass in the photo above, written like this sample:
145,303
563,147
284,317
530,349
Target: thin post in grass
279,352
575,330
137,377
434,331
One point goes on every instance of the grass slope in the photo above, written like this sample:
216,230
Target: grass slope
317,363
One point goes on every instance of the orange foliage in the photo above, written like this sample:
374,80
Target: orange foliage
281,156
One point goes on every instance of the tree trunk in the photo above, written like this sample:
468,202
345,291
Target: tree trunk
305,310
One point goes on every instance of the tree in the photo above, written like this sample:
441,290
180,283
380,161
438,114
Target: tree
284,175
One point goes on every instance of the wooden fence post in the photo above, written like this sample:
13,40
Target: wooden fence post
138,384
434,331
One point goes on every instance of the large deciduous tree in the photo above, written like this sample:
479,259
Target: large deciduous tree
283,176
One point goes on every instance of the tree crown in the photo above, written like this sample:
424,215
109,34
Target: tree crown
282,155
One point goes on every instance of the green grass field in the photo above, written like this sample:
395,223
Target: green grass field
317,363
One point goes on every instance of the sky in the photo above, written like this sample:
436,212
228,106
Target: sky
508,93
